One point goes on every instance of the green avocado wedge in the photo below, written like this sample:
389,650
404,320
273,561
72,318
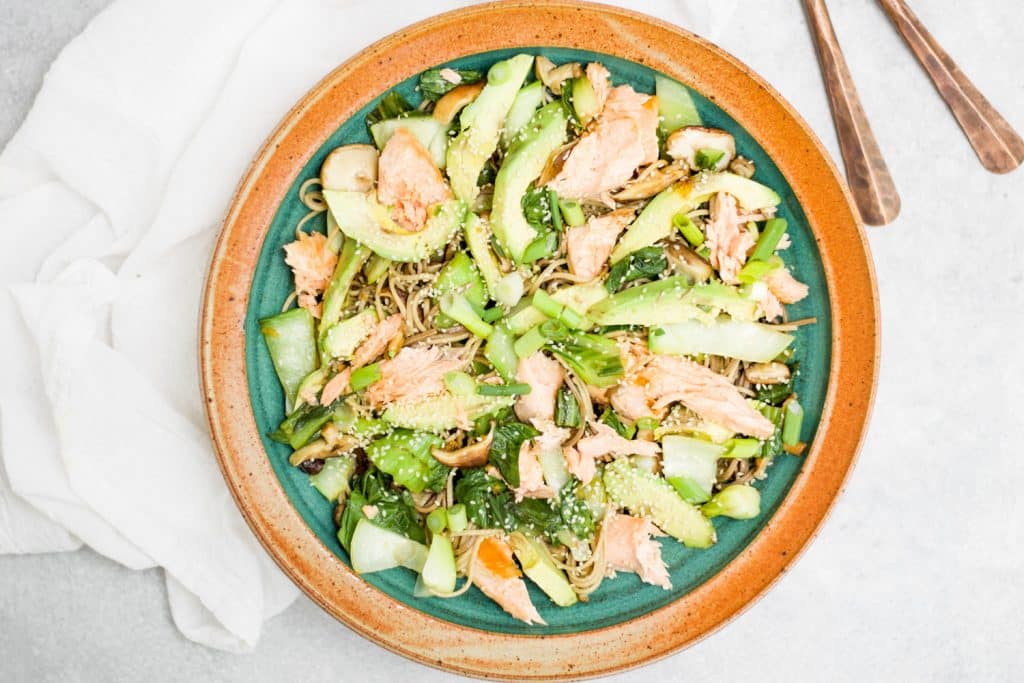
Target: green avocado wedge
368,222
480,124
655,221
530,151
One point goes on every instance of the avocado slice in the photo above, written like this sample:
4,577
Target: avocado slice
655,221
672,300
343,338
646,494
480,124
368,222
446,411
523,164
527,101
543,572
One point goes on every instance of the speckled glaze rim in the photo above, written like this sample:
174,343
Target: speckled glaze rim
852,296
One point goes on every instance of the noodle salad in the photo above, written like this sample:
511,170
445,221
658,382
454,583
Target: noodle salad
543,325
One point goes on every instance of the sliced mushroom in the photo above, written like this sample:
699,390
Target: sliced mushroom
686,262
553,76
555,163
396,343
742,166
339,442
473,455
652,180
452,103
351,168
314,450
686,142
767,373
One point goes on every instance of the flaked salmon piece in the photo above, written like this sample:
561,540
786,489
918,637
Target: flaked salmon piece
769,306
588,246
705,392
335,387
669,379
601,81
623,138
496,574
531,474
409,180
785,287
312,263
628,547
631,402
378,340
414,373
582,467
728,239
605,441
544,375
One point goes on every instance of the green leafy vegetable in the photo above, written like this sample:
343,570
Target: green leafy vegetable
611,418
394,508
299,428
489,503
648,262
504,452
434,85
593,357
405,455
539,210
391,106
567,410
775,394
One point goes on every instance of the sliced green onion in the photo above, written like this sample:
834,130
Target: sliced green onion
773,231
553,330
458,520
689,229
364,377
437,520
572,212
688,490
648,424
791,422
567,410
755,270
530,343
707,157
491,314
556,214
542,247
742,448
543,302
518,389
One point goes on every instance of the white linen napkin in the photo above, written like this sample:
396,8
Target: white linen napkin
111,194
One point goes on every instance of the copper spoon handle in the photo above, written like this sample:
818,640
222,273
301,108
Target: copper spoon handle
997,145
873,190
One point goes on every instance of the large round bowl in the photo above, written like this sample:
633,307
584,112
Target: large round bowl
627,622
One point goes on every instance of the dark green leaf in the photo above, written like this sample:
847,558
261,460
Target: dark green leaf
434,85
504,452
489,503
538,210
391,106
648,262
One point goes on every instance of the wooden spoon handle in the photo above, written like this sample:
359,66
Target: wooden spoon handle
873,189
996,143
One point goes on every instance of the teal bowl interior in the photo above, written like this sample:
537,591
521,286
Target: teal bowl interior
624,597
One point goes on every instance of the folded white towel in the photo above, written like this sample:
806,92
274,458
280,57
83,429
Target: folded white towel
110,198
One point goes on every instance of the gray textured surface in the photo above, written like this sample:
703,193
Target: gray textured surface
916,575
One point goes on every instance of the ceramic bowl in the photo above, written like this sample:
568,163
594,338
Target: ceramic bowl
626,621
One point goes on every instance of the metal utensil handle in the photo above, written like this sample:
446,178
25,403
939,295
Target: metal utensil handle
873,189
996,143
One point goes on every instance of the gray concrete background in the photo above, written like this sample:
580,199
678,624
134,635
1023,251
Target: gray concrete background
917,574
